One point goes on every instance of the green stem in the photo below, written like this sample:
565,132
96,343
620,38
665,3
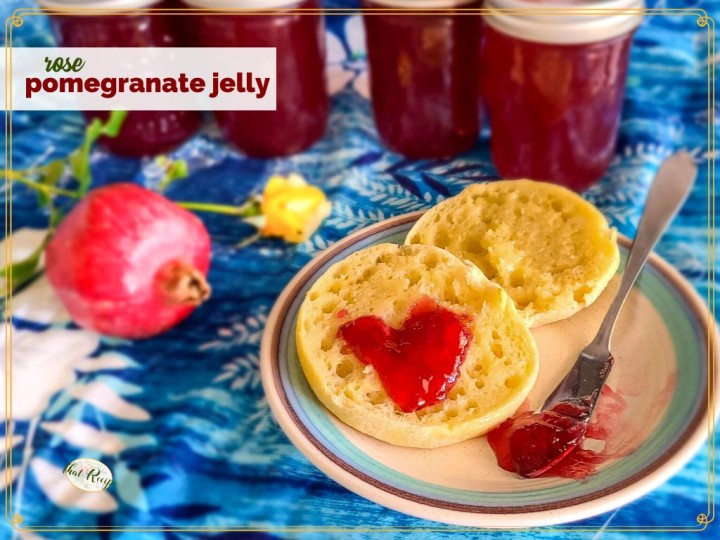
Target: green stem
240,211
246,210
42,187
29,170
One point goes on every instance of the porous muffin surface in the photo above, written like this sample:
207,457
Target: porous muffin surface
551,250
386,281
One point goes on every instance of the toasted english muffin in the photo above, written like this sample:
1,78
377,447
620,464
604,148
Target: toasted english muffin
552,251
386,281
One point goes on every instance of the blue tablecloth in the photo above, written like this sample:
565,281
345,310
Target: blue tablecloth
181,420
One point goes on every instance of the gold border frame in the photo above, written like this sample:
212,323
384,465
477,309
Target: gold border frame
703,20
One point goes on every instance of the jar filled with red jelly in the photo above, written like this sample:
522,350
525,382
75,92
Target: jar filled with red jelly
302,102
143,133
554,84
424,75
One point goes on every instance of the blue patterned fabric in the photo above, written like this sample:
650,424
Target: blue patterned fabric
181,420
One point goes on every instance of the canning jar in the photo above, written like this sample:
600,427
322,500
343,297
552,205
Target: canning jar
302,99
424,76
554,84
143,132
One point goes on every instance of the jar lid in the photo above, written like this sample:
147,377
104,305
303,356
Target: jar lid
99,4
422,4
534,20
239,4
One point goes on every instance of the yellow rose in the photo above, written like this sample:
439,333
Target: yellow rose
292,209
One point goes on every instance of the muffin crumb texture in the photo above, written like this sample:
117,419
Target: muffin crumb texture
552,251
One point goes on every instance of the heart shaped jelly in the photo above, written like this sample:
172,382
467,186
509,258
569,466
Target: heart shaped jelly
417,364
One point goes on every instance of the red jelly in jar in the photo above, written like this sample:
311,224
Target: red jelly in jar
424,76
143,133
554,86
302,99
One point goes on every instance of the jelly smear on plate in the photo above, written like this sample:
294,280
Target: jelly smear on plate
551,443
418,363
530,444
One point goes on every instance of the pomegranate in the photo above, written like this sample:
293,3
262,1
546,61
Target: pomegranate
127,262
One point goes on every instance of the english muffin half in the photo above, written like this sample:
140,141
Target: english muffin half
388,282
552,251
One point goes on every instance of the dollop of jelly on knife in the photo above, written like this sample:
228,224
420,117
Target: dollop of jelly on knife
531,444
418,363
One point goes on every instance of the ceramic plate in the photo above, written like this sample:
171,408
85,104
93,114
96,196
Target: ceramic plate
655,415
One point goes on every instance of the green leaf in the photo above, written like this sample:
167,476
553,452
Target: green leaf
19,273
114,123
80,158
44,179
176,170
43,199
92,132
49,175
53,172
56,216
80,167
